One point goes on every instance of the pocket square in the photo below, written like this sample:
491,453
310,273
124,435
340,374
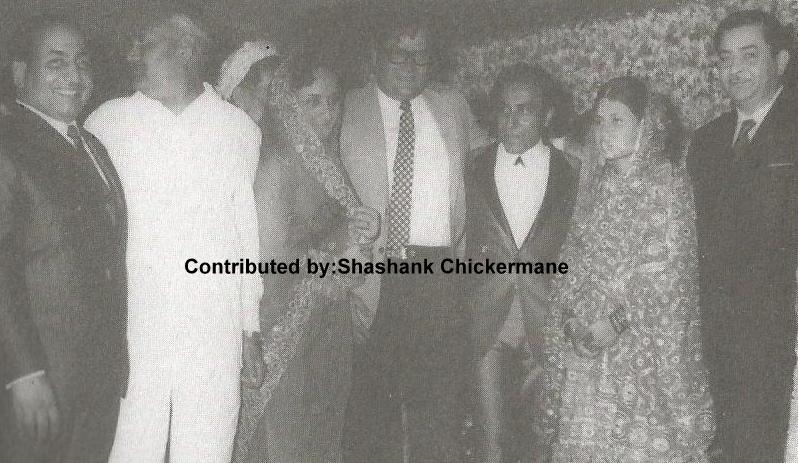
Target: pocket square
781,164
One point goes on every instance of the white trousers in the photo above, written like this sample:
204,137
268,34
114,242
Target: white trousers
193,408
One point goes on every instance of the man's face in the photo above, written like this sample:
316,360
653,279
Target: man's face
154,57
57,80
521,117
403,66
749,71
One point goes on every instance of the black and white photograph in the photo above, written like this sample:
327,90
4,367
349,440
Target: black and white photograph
398,231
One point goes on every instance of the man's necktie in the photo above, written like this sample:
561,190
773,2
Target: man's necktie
73,132
742,146
401,199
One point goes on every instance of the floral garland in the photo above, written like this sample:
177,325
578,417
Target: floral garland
286,335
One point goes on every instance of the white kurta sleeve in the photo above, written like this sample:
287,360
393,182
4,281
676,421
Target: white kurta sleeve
247,226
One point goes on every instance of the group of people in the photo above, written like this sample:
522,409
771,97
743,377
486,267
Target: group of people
671,337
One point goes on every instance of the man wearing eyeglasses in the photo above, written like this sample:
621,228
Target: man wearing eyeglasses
405,144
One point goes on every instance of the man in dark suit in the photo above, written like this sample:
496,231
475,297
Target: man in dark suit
404,143
62,271
520,200
743,165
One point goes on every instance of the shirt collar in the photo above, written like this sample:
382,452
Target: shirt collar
759,115
208,93
536,152
389,104
60,126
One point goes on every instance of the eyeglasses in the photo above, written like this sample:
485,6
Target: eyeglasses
400,57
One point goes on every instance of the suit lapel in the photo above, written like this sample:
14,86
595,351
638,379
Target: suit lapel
446,121
50,157
117,197
73,182
369,168
557,188
772,129
485,174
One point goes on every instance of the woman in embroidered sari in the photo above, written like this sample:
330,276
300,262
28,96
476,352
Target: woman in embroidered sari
622,361
305,211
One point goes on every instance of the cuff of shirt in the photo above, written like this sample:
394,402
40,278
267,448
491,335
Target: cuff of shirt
23,378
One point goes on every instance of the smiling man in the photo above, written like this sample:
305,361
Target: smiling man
62,250
743,165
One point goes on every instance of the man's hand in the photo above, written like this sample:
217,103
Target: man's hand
253,371
364,225
35,410
600,335
361,319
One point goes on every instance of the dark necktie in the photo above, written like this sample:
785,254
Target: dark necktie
93,164
401,199
519,162
742,146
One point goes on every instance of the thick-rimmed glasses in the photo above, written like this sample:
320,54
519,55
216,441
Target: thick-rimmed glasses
401,57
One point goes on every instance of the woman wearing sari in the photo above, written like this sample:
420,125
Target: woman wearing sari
622,360
305,210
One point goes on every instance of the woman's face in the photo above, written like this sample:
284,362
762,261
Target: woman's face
321,102
616,128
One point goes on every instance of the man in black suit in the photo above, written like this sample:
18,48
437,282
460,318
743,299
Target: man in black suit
743,165
62,271
520,199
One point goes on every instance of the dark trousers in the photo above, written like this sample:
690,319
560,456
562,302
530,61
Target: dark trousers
505,407
752,413
408,380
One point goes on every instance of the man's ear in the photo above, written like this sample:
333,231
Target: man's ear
19,69
782,60
549,117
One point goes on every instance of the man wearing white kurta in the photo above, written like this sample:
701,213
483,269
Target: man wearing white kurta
187,160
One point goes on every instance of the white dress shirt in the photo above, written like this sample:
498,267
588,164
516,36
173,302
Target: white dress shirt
758,116
521,186
429,218
188,183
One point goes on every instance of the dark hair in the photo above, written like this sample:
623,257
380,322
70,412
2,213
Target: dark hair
777,35
411,20
29,35
634,93
526,74
629,90
534,77
406,21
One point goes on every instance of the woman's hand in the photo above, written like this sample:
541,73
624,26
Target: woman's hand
575,331
600,335
364,225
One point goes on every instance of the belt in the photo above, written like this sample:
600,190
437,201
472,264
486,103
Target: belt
411,252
